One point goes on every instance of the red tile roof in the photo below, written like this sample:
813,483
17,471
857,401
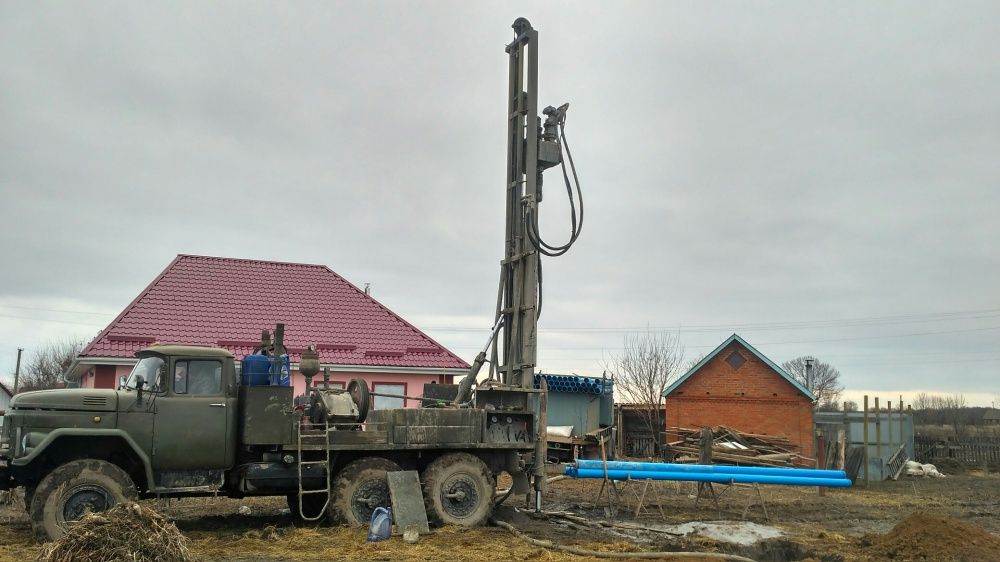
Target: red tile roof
226,302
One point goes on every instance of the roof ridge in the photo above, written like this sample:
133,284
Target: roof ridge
251,260
6,389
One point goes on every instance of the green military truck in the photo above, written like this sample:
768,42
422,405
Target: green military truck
183,424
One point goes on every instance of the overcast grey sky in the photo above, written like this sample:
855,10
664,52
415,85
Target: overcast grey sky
821,178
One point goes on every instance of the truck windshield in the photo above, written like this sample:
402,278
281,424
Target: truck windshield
150,369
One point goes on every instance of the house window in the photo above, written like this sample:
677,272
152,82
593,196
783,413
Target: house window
735,360
385,402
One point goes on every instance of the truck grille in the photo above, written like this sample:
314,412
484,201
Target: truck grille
95,401
5,430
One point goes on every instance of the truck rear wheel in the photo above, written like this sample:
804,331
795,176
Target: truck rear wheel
74,489
458,490
360,488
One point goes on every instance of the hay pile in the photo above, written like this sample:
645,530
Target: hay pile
127,532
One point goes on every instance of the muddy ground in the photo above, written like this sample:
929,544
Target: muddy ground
843,525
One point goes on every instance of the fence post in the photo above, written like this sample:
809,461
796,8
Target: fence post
878,436
888,412
865,445
902,437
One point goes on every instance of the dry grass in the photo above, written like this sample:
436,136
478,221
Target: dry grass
127,532
831,524
348,543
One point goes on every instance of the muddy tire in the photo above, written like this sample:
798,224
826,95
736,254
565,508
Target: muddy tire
359,489
312,507
73,490
29,492
458,490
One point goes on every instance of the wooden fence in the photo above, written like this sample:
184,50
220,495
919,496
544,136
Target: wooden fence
976,451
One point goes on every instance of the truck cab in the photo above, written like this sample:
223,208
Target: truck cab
170,427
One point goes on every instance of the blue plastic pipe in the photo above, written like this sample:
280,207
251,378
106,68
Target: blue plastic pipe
709,477
710,468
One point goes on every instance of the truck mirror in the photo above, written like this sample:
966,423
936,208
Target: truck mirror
121,382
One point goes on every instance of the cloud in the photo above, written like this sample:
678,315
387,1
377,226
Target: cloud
740,165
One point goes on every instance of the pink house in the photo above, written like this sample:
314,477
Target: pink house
226,302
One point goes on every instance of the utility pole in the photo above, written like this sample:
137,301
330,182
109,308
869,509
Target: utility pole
809,375
17,369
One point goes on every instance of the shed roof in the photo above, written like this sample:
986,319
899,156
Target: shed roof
7,391
735,338
226,302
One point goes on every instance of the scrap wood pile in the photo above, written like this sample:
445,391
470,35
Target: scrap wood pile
127,532
730,446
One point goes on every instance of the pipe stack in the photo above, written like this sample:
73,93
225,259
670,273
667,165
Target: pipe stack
574,383
720,474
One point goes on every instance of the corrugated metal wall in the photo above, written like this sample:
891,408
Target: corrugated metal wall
886,432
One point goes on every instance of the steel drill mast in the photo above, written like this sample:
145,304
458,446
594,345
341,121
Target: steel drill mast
532,147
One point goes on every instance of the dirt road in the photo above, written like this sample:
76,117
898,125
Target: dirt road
844,525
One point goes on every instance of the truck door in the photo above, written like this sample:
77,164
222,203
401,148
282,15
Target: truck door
190,430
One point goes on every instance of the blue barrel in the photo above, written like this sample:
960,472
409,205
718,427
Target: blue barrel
255,370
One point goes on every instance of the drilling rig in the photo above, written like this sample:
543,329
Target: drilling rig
532,147
76,451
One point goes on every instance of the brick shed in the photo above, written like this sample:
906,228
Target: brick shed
737,386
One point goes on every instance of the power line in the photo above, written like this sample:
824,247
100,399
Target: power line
57,310
857,338
33,319
764,326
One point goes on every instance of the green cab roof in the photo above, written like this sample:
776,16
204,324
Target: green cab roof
188,350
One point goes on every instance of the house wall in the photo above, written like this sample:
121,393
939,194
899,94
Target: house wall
752,398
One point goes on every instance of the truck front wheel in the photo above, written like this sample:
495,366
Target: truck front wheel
458,490
75,489
29,492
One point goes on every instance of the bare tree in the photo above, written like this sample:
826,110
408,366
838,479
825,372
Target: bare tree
648,363
47,364
825,382
850,406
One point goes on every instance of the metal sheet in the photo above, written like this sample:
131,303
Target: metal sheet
407,501
267,415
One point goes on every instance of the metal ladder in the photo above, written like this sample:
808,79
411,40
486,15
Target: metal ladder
326,490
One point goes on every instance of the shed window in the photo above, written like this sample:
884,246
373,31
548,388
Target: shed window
735,360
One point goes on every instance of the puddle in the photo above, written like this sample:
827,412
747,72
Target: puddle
743,533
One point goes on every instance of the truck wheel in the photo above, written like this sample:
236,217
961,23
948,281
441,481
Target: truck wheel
29,492
312,506
360,488
75,489
458,490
